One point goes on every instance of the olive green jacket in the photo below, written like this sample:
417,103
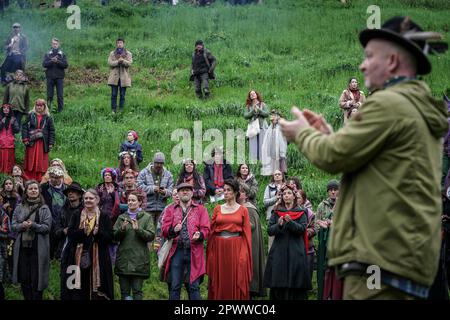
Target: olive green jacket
389,206
133,256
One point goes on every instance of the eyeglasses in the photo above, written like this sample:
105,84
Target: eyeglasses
16,27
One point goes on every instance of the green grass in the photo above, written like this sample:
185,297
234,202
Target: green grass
294,52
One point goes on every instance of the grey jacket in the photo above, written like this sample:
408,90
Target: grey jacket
155,201
42,230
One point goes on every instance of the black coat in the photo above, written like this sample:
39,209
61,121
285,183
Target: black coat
208,175
63,222
55,70
47,127
286,264
49,202
104,238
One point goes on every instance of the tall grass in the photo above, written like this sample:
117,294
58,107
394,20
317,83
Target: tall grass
294,52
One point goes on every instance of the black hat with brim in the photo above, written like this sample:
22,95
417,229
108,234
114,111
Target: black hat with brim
391,31
74,186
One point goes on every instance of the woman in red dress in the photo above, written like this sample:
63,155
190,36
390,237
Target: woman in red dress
38,135
8,127
229,255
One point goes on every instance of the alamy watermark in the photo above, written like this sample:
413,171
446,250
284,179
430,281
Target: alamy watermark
74,21
374,20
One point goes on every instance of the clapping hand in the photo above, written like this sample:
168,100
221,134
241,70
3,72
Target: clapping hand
196,235
280,221
134,224
317,122
124,225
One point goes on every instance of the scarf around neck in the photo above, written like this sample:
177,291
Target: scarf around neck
218,175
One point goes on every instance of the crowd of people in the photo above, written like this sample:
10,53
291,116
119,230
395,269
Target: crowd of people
110,229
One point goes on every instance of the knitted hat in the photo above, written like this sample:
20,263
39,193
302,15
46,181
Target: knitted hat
159,157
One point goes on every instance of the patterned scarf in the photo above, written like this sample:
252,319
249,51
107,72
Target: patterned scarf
218,175
89,226
30,208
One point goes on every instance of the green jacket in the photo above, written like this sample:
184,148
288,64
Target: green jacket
133,256
389,206
250,114
17,94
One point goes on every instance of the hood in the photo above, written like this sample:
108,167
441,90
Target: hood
433,111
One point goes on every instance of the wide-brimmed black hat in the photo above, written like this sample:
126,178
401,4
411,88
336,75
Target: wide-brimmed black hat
404,32
74,186
184,185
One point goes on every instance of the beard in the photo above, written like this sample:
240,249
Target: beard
185,199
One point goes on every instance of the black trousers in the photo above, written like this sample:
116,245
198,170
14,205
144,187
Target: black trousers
29,273
59,84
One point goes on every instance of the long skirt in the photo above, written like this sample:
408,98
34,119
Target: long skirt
7,160
36,161
255,146
227,270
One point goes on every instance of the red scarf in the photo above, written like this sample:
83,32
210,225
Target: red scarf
218,175
294,216
356,94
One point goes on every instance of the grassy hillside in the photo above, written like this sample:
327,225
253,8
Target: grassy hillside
292,51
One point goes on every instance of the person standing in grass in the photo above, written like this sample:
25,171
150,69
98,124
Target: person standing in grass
119,78
157,182
4,239
38,135
17,94
302,202
132,146
133,230
351,99
274,147
89,237
202,69
187,223
389,208
55,62
325,212
32,222
72,207
126,162
272,196
258,253
244,176
8,127
256,110
229,252
55,199
128,186
216,171
287,273
16,46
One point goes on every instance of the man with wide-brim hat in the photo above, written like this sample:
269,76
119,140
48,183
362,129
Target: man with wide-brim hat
187,223
385,235
73,206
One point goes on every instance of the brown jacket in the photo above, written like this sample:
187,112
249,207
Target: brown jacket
119,71
347,102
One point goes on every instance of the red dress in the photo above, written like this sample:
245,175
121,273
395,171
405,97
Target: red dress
229,260
36,160
7,156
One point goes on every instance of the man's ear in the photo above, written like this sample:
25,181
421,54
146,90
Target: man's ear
393,61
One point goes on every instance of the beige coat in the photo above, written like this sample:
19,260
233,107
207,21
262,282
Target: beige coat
347,102
120,71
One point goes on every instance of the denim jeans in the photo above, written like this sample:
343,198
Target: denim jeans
114,92
180,260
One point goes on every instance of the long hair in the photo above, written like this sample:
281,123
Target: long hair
3,190
46,111
183,174
133,164
5,116
238,173
248,102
